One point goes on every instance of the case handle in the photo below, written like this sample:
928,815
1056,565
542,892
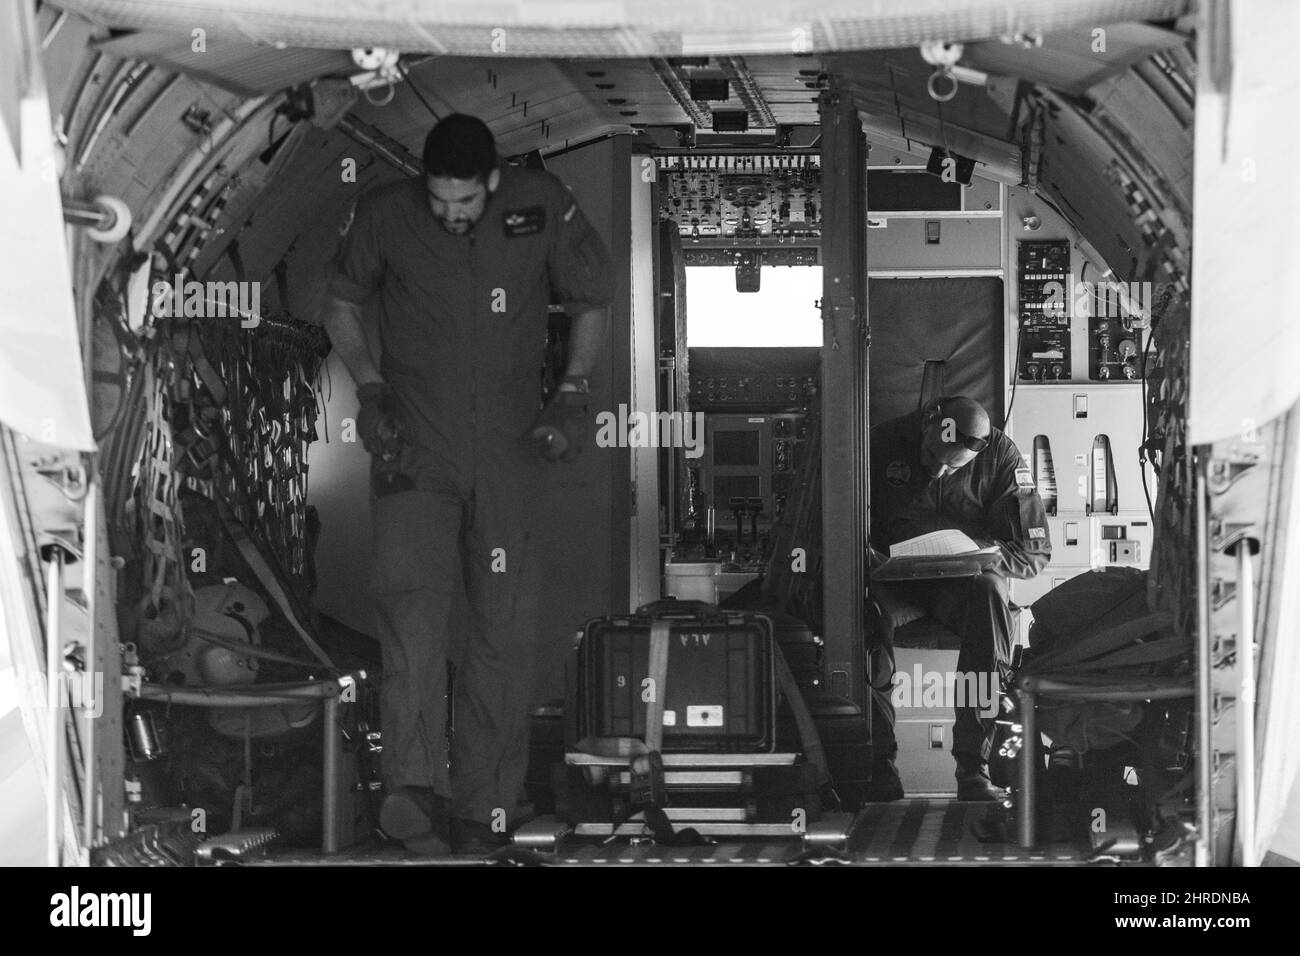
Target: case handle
672,607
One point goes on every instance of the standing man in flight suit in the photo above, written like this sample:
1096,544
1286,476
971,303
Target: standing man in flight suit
464,261
941,467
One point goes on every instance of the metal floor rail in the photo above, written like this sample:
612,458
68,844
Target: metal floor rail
913,832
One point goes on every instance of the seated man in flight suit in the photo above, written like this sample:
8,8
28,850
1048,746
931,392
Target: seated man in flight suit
944,466
462,263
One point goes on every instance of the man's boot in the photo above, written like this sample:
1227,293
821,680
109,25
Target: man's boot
417,818
973,783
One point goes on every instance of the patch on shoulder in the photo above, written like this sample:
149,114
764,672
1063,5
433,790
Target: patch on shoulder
1025,479
523,222
898,473
1038,533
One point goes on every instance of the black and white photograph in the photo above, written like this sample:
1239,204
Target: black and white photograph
443,438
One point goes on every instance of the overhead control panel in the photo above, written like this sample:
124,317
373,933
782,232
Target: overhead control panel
749,196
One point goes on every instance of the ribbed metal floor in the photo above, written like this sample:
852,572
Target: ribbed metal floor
920,831
915,832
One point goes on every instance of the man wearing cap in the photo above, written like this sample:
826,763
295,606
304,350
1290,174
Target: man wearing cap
462,264
945,467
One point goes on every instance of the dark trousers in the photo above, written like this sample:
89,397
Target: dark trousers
977,610
441,537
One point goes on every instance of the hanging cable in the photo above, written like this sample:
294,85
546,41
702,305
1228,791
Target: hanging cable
1015,375
406,75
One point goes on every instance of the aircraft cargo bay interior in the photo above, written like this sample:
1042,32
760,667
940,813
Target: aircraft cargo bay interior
798,441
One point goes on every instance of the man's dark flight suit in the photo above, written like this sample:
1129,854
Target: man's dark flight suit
462,321
993,500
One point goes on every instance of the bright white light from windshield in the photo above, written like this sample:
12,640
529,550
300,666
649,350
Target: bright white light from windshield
781,314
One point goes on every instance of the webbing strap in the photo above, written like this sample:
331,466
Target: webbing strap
657,671
162,545
813,750
660,632
259,566
186,342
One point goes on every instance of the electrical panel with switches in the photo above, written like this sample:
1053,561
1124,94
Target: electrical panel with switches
1044,295
1115,349
753,196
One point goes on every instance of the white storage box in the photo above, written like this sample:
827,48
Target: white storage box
692,581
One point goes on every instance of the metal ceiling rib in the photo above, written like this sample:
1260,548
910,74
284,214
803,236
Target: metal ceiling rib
527,103
890,89
590,28
748,92
545,104
791,95
230,63
1075,60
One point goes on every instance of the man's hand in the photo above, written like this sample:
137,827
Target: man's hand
381,433
561,428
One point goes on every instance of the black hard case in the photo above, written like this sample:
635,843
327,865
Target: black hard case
721,692
802,650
